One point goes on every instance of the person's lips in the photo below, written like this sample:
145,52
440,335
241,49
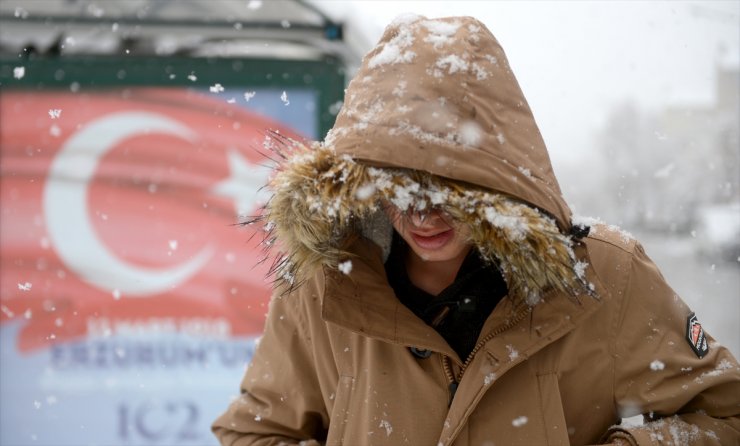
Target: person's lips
433,241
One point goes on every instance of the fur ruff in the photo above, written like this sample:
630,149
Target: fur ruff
320,200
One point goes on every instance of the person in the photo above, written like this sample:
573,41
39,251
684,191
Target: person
433,287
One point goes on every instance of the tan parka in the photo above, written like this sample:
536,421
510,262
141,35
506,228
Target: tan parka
589,333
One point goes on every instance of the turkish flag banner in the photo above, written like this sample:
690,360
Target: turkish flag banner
130,296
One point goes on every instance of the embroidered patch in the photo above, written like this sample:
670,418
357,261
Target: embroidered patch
695,336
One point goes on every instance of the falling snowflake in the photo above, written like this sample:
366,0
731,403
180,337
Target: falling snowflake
335,107
24,286
6,311
519,421
192,77
249,95
664,172
254,4
216,88
471,133
284,98
19,72
345,267
20,13
55,113
657,365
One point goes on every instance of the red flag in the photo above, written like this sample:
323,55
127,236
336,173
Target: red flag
119,209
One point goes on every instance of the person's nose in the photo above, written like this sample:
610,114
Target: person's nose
417,218
426,218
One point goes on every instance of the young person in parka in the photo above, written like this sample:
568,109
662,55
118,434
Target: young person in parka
433,288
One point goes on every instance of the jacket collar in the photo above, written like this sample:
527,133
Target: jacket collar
363,302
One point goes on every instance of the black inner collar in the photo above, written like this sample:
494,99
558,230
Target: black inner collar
460,310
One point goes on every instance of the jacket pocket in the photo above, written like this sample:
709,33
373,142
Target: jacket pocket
340,415
552,409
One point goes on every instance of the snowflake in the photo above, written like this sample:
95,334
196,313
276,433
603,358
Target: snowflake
254,4
6,311
513,353
489,379
387,426
345,267
526,172
365,192
657,365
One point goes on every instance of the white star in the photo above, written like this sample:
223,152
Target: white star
244,184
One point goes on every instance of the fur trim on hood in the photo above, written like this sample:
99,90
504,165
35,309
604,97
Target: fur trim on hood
322,199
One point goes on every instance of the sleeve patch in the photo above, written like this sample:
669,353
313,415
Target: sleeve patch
695,336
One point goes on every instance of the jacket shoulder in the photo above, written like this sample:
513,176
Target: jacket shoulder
611,251
301,302
612,236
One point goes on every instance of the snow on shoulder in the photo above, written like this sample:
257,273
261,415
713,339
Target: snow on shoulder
604,231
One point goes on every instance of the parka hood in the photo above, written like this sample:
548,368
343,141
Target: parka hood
433,118
439,96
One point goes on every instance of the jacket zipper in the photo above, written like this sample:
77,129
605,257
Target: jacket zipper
453,380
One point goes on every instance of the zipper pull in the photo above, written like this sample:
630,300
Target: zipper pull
453,389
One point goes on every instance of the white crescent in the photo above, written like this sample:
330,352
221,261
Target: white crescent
65,207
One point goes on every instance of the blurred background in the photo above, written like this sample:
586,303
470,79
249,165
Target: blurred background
130,140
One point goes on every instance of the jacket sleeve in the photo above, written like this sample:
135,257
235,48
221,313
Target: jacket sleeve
281,402
686,398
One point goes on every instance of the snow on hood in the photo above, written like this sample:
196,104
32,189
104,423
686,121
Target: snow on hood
439,96
434,117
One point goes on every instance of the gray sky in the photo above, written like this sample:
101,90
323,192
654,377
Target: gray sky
575,59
